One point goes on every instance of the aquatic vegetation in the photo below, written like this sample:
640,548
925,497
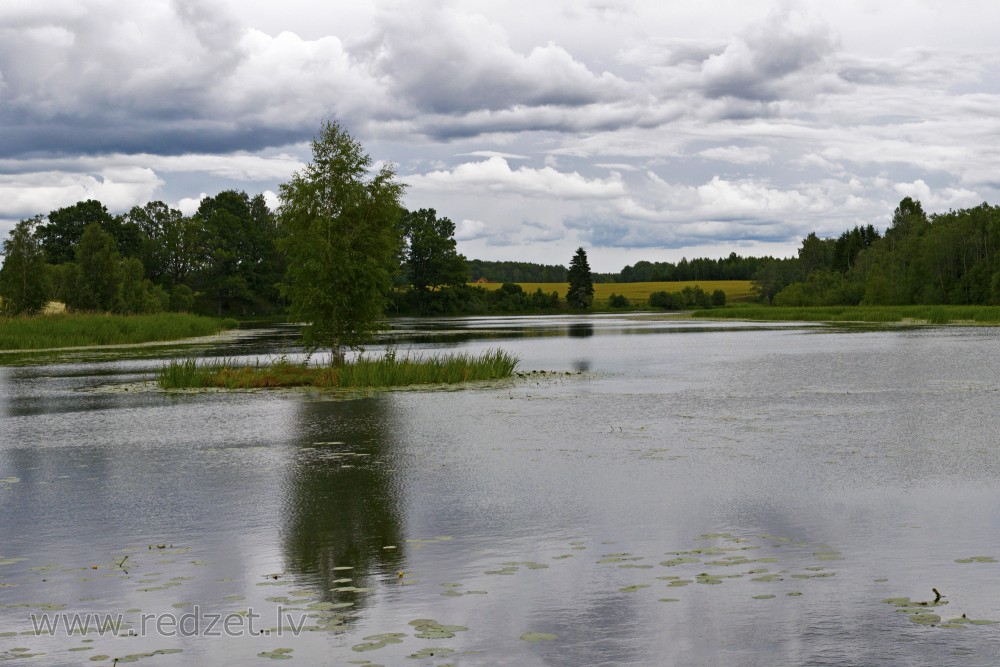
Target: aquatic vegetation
276,654
53,331
918,613
364,372
430,629
538,637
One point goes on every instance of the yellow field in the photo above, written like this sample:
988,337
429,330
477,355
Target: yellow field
638,293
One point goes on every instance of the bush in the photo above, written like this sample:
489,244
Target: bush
666,300
618,301
718,298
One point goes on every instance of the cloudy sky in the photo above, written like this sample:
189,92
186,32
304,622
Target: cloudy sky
637,129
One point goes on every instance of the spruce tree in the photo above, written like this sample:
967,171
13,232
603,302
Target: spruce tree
581,284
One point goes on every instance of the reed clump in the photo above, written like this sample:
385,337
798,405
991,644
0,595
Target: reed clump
389,370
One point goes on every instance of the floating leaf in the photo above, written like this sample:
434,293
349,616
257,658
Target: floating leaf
537,637
431,652
276,654
898,602
925,619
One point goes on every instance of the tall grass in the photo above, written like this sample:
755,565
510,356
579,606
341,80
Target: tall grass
389,370
875,314
49,331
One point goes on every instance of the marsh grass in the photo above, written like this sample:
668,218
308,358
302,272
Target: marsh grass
53,331
389,370
873,314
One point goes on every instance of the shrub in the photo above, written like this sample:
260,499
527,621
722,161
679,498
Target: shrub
618,301
666,300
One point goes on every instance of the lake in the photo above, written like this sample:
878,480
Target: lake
651,490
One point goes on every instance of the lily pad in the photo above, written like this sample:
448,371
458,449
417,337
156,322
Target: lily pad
925,619
431,652
538,637
276,654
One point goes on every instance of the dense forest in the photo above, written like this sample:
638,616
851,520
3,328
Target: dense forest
516,272
943,258
733,267
227,259
221,260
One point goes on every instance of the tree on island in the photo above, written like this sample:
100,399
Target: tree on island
581,283
340,234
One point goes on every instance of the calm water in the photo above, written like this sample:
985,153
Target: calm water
810,472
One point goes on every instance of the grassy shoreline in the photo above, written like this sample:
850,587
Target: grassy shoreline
968,315
362,373
84,330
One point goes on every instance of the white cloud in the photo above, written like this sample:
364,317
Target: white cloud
495,176
189,205
470,230
27,194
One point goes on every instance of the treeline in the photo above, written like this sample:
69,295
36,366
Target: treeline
943,258
473,300
225,259
515,272
221,260
733,267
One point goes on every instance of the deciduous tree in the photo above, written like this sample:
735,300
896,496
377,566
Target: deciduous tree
99,271
22,276
340,234
430,257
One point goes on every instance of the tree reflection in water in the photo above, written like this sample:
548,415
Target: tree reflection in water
341,509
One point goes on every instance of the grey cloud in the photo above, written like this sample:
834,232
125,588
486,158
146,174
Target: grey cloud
583,119
446,63
214,28
768,63
92,136
607,233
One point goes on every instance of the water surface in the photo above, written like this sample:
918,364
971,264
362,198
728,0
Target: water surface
805,473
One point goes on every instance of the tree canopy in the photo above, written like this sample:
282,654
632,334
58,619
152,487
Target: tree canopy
340,234
430,259
22,276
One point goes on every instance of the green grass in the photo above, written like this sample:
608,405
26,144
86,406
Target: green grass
874,314
52,331
365,372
